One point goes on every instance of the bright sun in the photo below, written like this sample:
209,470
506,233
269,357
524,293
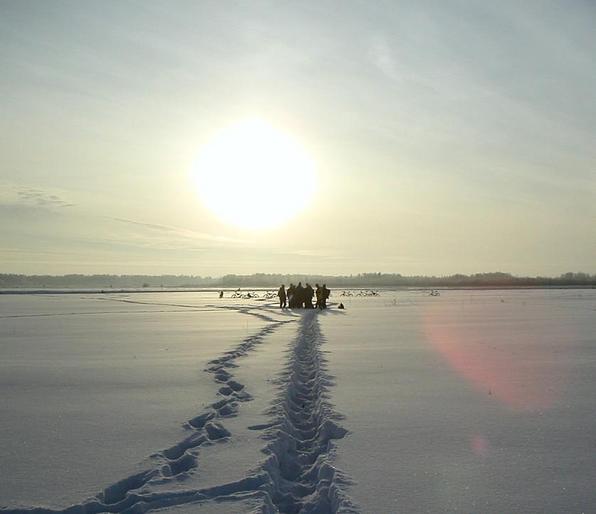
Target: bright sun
254,176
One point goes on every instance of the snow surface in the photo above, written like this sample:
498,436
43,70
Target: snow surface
471,401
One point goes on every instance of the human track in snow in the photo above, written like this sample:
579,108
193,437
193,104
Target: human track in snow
301,477
296,476
176,461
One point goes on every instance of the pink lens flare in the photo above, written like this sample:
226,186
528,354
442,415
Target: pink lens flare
480,445
515,361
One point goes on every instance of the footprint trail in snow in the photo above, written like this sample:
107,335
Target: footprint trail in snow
296,475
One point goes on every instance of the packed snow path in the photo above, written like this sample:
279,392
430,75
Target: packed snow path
300,476
296,475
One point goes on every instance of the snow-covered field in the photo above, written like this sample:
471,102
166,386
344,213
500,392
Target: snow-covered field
471,401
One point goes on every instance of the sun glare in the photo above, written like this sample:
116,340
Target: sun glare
254,176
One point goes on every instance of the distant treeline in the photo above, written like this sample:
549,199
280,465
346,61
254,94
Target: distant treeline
396,280
361,280
105,281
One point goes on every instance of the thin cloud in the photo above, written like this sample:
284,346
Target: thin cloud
181,232
40,198
301,254
383,58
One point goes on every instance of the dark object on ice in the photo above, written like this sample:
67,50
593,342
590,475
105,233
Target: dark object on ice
290,293
341,306
299,296
308,294
282,296
319,295
324,296
221,294
365,292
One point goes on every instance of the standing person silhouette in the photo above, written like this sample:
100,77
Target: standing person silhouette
308,294
282,296
291,296
319,295
325,296
299,293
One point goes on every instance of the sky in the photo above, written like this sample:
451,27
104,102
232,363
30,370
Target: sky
447,136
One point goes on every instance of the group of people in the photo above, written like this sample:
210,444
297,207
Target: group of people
301,297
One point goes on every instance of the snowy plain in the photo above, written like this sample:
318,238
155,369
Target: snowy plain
471,401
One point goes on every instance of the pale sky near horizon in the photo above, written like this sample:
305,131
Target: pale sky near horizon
447,136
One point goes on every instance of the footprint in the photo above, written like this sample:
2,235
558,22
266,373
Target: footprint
228,410
235,385
199,421
176,451
216,431
222,376
117,492
181,465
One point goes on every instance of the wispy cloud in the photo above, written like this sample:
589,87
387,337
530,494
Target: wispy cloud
325,253
383,57
33,197
180,232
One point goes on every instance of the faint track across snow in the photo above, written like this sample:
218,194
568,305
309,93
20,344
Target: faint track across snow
297,475
176,461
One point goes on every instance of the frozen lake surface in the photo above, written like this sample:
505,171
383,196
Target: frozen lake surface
471,401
